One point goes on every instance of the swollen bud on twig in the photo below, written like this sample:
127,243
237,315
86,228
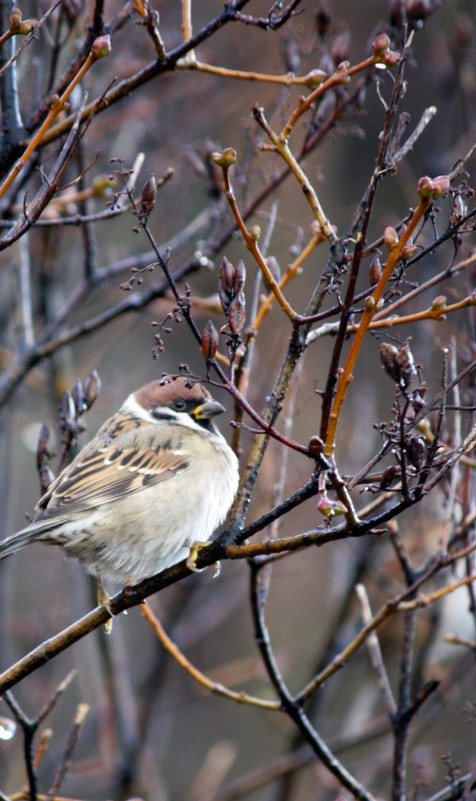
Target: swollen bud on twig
68,409
390,238
375,271
380,44
398,363
237,314
240,277
149,195
101,47
209,341
78,398
225,159
92,388
226,284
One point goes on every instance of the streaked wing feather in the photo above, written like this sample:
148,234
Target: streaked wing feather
112,473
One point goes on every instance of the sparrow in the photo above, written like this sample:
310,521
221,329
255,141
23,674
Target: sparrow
154,482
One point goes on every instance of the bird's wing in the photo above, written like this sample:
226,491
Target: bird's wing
109,473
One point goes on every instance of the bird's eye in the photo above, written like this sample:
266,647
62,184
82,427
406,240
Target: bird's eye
179,405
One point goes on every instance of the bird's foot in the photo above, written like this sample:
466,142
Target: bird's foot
105,601
193,556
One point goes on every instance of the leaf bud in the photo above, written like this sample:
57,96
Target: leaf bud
391,58
409,251
442,186
68,409
415,449
439,302
78,397
388,477
225,159
315,446
390,238
375,271
406,366
92,388
237,314
340,48
255,233
315,78
149,195
15,19
380,44
426,188
209,341
239,278
101,47
389,359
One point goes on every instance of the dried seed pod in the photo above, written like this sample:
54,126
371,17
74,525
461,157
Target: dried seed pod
237,314
92,388
209,341
149,195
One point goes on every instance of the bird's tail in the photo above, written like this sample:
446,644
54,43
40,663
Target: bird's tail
23,537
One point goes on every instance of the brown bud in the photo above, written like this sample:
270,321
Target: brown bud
43,439
388,357
92,388
418,396
209,341
340,48
68,409
237,314
380,44
388,476
375,271
323,20
78,397
226,284
149,194
240,277
391,58
315,446
415,449
406,366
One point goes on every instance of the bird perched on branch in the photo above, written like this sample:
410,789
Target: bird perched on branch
157,479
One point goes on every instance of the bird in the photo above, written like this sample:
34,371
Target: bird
152,485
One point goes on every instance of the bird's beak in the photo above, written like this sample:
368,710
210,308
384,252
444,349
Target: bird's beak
208,409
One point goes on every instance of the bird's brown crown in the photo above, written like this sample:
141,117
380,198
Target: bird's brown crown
158,394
